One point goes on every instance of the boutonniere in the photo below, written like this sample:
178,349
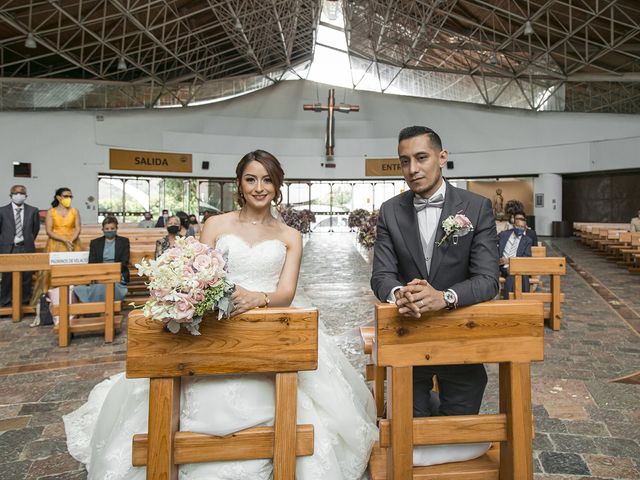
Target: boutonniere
457,225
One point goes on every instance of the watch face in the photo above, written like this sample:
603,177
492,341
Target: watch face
449,297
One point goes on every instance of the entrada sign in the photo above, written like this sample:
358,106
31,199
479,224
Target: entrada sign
382,167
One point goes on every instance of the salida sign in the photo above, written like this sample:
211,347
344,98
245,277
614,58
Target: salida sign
149,161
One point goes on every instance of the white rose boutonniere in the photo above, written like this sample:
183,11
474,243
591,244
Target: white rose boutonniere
457,225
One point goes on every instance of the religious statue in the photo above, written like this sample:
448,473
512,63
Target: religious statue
498,204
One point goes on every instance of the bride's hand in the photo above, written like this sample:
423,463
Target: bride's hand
244,300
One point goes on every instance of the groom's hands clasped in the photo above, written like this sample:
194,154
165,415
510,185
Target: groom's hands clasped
417,297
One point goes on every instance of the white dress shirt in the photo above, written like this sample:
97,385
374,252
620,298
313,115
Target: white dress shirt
511,247
19,239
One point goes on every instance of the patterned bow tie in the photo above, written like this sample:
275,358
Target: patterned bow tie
434,202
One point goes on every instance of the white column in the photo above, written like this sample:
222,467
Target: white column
547,201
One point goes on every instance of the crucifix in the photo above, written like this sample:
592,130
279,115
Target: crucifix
331,107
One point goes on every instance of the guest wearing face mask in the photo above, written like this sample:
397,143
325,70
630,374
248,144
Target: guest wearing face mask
147,222
193,222
513,243
19,227
162,219
109,248
63,229
169,240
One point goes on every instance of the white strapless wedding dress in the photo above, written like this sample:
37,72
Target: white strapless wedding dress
334,398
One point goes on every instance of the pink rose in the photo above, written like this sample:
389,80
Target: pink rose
202,262
184,308
197,296
199,248
215,254
172,254
462,221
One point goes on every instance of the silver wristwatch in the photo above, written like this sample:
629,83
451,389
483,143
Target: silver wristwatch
449,298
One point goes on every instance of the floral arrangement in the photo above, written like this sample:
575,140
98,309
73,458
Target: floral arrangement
301,220
457,225
185,282
367,231
358,217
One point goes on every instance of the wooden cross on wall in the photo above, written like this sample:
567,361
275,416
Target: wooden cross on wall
331,107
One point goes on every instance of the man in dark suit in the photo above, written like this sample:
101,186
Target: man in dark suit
120,247
514,243
19,227
420,268
162,219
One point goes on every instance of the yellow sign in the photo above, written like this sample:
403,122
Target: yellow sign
149,161
382,167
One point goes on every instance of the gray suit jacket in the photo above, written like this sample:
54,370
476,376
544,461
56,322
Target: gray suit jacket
470,268
30,228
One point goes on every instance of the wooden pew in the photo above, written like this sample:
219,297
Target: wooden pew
16,263
280,341
552,266
508,333
137,288
373,373
63,276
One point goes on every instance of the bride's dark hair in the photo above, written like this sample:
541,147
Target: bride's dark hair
270,164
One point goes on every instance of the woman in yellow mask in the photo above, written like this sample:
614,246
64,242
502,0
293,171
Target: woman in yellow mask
63,229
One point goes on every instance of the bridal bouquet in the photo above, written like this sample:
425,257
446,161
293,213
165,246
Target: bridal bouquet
186,282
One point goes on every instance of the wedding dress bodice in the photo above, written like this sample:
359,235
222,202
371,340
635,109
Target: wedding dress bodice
257,266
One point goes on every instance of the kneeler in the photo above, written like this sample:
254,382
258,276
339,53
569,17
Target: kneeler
280,341
507,333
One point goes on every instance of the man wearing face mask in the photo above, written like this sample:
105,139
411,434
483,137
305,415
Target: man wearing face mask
19,227
147,222
110,248
162,219
514,243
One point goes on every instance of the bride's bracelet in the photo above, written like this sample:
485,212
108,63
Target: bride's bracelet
266,300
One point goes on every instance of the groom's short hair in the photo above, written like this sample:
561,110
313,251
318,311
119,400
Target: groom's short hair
415,131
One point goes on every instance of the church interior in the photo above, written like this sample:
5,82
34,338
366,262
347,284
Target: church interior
125,119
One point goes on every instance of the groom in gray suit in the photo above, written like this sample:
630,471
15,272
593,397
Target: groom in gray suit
420,268
19,227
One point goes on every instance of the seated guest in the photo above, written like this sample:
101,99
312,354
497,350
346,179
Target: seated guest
513,243
147,222
169,240
185,226
635,223
529,232
109,248
193,222
162,219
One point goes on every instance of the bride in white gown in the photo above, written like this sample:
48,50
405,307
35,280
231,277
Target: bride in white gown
263,256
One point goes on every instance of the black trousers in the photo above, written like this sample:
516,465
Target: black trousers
5,288
461,390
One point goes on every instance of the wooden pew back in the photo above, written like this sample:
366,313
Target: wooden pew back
555,267
16,263
280,341
63,276
508,333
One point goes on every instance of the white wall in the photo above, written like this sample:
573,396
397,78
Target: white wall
549,185
71,148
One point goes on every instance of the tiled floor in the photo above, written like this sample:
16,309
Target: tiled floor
586,426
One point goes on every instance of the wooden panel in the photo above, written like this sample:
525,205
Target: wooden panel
262,340
515,402
24,262
89,307
84,274
539,296
149,161
452,429
90,324
247,444
482,468
164,422
64,334
489,332
284,446
537,266
16,296
400,412
538,252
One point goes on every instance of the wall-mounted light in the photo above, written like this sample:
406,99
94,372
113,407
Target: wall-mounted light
528,28
122,64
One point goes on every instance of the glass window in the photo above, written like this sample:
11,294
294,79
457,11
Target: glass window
229,196
210,196
298,196
136,197
110,197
